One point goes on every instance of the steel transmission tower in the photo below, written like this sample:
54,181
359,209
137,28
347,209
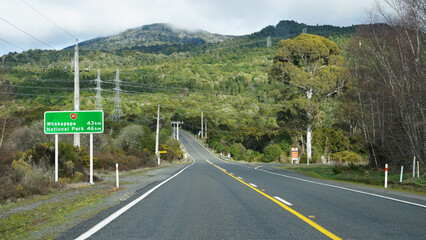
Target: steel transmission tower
98,103
116,113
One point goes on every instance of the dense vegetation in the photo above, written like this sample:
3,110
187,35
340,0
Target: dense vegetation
252,96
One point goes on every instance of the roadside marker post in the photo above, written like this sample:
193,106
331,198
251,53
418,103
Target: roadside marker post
418,169
414,166
386,175
402,171
116,175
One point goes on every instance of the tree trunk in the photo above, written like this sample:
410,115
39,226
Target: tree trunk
309,143
2,133
309,94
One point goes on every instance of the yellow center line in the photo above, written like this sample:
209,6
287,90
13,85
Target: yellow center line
307,220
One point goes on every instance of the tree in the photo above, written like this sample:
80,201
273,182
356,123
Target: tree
311,64
389,69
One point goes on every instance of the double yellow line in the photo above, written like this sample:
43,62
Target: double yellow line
307,220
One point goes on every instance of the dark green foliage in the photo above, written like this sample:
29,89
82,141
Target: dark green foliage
271,153
291,28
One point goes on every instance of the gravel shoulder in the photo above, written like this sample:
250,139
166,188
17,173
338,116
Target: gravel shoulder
46,217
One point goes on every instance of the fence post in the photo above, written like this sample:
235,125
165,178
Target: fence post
402,171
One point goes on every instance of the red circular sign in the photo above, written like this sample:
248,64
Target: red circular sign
73,116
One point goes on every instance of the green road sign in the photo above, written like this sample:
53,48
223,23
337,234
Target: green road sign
68,122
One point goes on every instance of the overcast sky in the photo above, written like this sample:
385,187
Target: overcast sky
87,19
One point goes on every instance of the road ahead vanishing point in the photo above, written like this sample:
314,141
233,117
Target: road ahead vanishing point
217,199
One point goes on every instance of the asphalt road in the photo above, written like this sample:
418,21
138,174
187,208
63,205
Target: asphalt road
216,199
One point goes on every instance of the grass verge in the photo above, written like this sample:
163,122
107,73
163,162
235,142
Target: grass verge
363,175
33,223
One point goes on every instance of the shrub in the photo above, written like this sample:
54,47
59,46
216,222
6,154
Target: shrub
24,138
346,157
25,179
130,137
237,151
272,153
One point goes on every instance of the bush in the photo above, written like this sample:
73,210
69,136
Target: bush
130,137
237,151
24,138
272,153
25,179
71,158
346,157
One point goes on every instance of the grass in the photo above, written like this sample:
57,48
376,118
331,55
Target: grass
46,216
34,222
363,175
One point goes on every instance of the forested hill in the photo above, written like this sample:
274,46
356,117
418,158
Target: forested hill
288,28
166,38
150,35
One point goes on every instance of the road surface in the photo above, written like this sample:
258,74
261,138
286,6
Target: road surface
217,199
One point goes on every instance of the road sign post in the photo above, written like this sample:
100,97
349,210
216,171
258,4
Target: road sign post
294,155
71,122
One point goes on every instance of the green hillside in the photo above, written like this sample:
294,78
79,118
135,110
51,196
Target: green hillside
247,113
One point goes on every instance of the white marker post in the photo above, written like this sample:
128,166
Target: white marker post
402,171
414,166
386,175
116,174
418,169
91,158
56,157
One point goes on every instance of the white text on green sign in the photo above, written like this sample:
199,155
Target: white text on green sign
69,122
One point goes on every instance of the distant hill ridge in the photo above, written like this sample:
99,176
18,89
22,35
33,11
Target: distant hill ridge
153,34
146,37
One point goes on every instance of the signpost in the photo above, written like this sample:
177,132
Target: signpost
69,122
72,122
294,155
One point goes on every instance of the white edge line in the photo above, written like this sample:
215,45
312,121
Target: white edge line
347,189
113,216
253,185
283,201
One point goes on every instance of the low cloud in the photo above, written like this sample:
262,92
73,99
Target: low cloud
88,19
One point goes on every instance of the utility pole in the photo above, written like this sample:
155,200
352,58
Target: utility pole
116,112
202,123
268,41
157,135
98,98
76,91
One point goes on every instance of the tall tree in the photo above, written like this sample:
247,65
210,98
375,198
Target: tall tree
314,66
389,68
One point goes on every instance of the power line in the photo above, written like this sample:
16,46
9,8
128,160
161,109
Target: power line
50,20
53,88
12,44
26,33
